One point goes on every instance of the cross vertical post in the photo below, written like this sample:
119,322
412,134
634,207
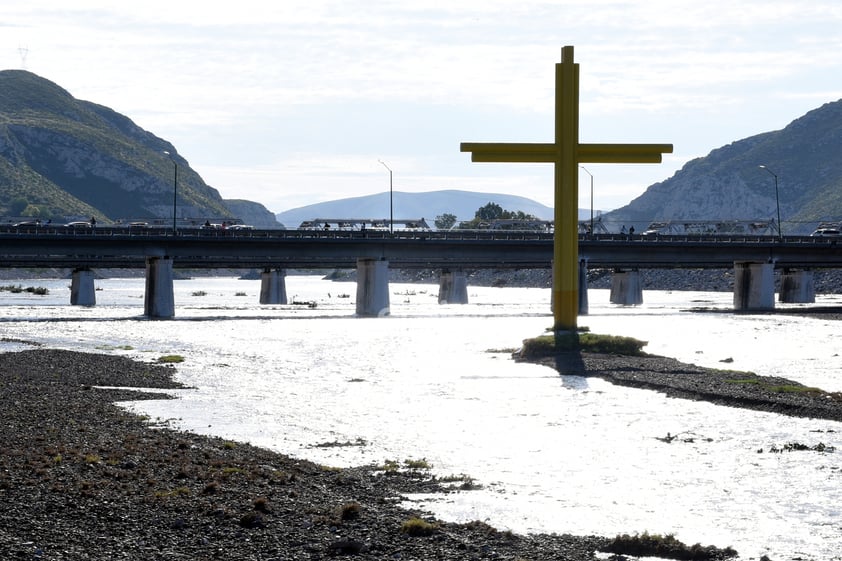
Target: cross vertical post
566,153
565,281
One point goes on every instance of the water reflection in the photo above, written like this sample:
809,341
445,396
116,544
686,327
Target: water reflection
554,453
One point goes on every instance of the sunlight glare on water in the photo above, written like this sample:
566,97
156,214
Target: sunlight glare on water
553,453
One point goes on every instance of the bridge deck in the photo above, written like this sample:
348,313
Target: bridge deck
196,248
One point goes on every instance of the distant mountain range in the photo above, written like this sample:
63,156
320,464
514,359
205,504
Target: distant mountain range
429,205
63,158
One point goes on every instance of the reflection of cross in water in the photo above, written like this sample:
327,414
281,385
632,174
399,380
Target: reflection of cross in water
566,153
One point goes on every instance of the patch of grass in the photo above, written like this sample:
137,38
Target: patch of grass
799,447
336,444
114,348
566,341
389,466
170,359
417,464
780,388
410,464
418,527
177,492
792,388
350,511
461,482
261,504
656,545
506,351
17,289
92,459
743,381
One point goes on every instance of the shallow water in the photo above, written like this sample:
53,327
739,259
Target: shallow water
554,453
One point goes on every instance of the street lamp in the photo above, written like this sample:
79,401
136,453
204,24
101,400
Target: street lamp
174,189
777,202
589,173
391,205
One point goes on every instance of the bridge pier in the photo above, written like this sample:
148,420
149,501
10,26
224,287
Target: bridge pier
583,287
273,288
754,286
797,287
372,287
453,287
82,290
159,302
626,289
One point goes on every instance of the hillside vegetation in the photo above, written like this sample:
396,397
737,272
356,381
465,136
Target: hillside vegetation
63,158
728,183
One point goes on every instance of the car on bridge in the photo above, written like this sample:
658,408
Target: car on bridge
827,233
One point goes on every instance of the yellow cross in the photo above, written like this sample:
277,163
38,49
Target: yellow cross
566,153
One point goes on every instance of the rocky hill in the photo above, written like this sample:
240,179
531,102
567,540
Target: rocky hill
61,158
728,183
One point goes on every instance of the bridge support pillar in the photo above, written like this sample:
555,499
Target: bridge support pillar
626,289
273,288
82,290
453,287
583,287
372,287
754,286
159,302
797,287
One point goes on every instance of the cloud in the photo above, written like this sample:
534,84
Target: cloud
300,97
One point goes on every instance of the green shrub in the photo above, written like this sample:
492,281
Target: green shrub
350,511
417,527
566,341
417,464
656,545
170,359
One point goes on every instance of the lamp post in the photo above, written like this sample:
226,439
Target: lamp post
589,173
174,189
391,200
777,201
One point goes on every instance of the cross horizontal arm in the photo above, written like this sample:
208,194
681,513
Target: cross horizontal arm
623,153
510,152
549,153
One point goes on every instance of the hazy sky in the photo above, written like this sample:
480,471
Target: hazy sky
294,102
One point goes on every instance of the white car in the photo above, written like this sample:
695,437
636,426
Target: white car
827,233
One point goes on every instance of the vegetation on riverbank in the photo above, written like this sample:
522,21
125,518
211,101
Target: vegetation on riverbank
583,341
17,289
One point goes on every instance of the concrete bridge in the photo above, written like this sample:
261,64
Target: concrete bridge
372,253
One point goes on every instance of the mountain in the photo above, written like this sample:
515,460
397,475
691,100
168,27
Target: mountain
429,205
63,158
728,183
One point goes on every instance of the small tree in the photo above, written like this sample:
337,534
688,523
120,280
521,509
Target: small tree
445,221
489,212
493,211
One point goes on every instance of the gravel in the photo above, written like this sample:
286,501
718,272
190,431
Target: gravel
83,479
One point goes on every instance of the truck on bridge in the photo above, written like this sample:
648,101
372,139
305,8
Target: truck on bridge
362,224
